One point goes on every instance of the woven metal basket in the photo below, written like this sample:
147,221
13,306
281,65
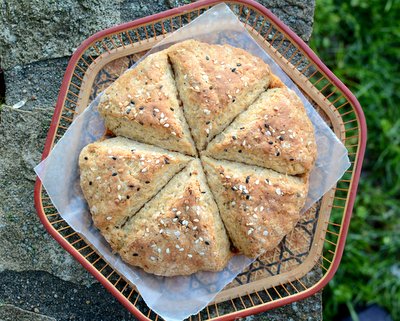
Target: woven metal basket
318,240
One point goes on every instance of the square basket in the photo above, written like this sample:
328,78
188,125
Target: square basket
318,240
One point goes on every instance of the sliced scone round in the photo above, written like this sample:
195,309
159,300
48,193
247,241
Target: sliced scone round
215,83
118,176
143,105
179,232
274,132
258,206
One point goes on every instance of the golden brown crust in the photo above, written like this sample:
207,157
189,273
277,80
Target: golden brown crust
258,206
163,217
274,132
179,232
276,82
215,83
118,176
142,104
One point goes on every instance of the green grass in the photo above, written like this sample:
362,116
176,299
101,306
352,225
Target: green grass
360,41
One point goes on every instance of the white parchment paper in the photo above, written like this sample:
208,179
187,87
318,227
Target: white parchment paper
175,298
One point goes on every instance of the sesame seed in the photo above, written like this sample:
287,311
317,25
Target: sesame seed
265,233
196,220
250,231
194,228
167,250
174,219
233,203
152,258
173,133
177,246
218,77
109,218
144,170
166,125
118,187
207,130
119,197
159,250
185,222
279,192
207,112
201,253
181,249
178,213
261,208
257,182
161,231
190,255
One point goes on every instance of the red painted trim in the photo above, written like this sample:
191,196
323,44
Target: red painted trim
58,110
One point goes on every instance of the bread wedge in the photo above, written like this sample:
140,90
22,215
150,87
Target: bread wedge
179,232
215,83
143,105
274,132
258,206
118,176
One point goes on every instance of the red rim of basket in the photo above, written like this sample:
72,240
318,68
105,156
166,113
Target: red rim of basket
352,192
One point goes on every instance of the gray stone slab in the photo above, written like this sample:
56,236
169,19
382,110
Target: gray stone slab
24,243
10,312
64,300
60,299
33,30
36,83
33,37
297,14
134,9
37,30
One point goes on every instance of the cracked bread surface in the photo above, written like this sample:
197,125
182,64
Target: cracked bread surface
179,232
118,176
258,206
215,83
274,132
156,207
142,104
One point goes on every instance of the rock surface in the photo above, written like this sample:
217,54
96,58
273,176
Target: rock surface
24,243
36,40
36,83
10,312
36,30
